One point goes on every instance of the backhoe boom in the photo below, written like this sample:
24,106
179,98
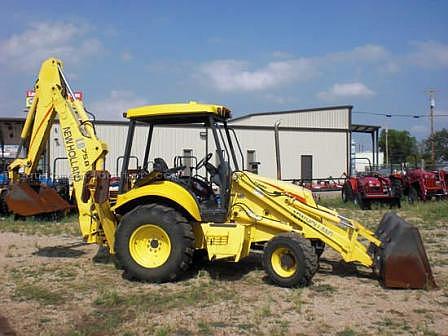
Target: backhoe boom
85,152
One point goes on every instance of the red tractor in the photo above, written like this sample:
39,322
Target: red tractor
371,186
420,184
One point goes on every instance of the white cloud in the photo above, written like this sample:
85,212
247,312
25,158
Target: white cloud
366,54
281,100
67,41
429,54
115,104
126,56
238,75
234,75
282,55
390,67
346,90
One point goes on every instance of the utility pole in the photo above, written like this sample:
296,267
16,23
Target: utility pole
387,147
432,104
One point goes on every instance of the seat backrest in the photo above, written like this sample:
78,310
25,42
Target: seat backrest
160,165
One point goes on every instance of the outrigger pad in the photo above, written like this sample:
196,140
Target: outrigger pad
401,259
26,200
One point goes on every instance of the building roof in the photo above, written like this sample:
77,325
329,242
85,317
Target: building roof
364,128
314,109
359,128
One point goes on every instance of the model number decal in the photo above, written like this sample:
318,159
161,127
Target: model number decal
318,226
72,147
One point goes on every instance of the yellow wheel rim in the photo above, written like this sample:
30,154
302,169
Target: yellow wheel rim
284,262
150,246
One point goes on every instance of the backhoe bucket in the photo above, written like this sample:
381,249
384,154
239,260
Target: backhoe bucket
401,260
26,200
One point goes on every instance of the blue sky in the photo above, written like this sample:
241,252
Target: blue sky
254,56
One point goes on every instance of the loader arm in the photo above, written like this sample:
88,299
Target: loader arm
269,207
278,208
85,152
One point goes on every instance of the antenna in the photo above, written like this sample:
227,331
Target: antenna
432,104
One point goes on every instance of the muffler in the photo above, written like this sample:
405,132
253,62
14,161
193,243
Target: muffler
29,200
401,260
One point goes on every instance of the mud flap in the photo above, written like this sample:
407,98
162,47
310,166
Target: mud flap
401,260
26,200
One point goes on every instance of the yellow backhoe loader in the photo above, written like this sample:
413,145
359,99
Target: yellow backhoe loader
161,217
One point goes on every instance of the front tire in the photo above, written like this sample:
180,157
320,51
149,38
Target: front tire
290,260
154,243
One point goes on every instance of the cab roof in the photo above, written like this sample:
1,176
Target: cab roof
186,110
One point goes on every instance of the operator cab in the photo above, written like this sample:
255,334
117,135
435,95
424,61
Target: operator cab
206,178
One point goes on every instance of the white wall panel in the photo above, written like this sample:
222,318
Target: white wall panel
328,148
331,118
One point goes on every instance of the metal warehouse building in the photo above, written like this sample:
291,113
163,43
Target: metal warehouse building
314,143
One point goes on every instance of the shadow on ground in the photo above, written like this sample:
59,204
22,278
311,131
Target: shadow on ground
60,251
343,269
231,271
5,327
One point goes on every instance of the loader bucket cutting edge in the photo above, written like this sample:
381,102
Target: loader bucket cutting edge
401,260
24,200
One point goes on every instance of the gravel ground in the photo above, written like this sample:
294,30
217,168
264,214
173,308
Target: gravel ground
50,286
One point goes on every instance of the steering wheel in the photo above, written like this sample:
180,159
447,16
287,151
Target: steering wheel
203,161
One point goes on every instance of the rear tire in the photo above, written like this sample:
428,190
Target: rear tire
362,203
3,206
347,193
154,243
395,202
412,195
290,260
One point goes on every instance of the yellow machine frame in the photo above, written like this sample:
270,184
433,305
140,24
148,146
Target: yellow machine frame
259,209
253,216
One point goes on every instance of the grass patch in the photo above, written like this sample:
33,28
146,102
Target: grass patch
280,328
10,251
426,215
31,226
197,295
346,332
97,323
204,328
163,331
38,293
246,327
295,298
125,306
336,203
324,288
109,298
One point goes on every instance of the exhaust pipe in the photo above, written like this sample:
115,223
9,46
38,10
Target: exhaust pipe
277,150
401,260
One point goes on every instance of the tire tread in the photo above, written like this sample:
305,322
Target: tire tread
171,215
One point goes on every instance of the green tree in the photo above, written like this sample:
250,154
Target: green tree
440,145
402,146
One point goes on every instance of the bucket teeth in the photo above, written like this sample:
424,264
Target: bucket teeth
401,260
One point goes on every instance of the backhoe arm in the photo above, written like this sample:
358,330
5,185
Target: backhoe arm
85,152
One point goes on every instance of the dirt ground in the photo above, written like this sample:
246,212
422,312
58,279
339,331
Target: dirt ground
50,286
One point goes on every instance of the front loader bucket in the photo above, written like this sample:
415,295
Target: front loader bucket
26,200
401,259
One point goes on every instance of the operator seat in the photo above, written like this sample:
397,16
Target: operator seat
160,165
